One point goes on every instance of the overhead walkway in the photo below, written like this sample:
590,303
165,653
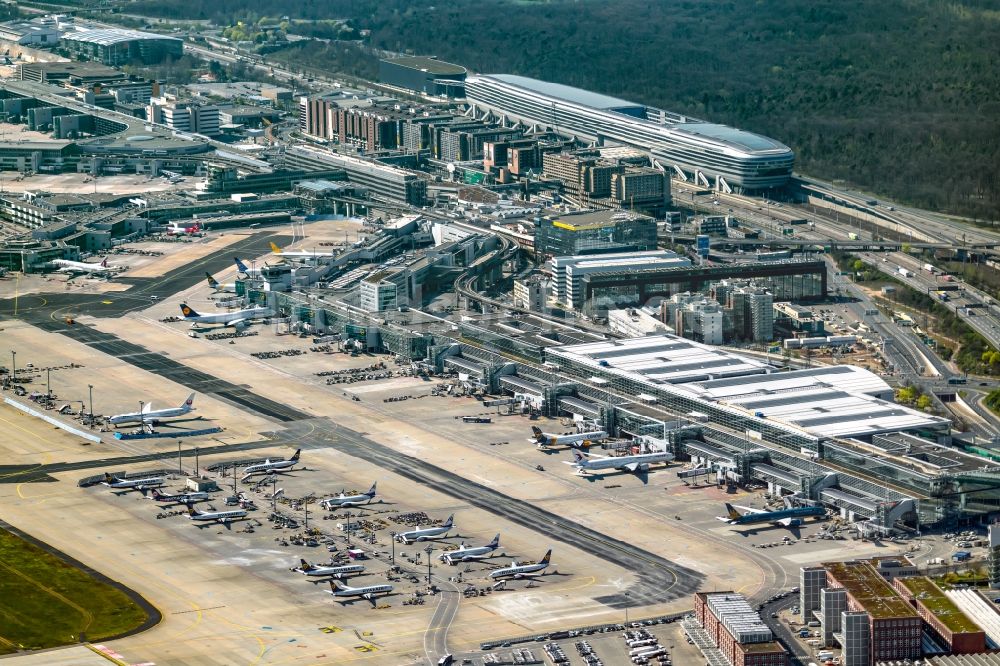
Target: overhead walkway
463,365
579,407
862,506
772,474
710,452
520,385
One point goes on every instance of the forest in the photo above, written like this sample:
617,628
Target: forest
900,97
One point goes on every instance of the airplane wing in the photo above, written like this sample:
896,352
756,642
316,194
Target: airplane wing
370,598
632,467
748,509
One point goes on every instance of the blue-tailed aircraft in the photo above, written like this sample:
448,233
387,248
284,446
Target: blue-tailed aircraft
791,516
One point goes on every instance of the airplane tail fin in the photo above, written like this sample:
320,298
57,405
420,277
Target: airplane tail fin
547,557
537,432
733,513
108,478
578,457
448,523
189,402
336,584
371,491
496,541
191,510
295,456
212,282
275,249
156,494
188,311
305,565
147,408
240,266
104,262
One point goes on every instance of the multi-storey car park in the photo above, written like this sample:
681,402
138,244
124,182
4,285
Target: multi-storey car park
732,159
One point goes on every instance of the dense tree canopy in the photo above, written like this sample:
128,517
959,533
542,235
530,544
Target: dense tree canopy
900,96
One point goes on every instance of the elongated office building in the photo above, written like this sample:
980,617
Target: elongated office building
713,155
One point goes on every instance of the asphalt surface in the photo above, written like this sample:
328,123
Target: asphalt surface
35,473
57,306
659,580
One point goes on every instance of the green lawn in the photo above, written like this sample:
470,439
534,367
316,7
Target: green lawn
46,602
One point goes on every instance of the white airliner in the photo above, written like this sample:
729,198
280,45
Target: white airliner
132,484
217,516
464,553
334,572
182,498
220,288
299,254
580,440
422,533
237,319
273,465
636,463
349,500
147,415
67,266
369,592
176,229
516,570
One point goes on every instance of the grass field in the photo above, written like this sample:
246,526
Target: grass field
45,602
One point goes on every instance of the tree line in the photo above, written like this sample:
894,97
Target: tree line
900,97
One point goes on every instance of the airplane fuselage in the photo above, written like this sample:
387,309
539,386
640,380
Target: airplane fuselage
420,535
792,513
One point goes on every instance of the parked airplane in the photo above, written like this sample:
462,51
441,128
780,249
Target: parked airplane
245,270
464,553
580,440
217,516
791,516
229,288
147,415
237,319
369,592
636,463
298,254
422,533
176,229
181,498
335,572
349,500
80,267
132,484
516,570
273,465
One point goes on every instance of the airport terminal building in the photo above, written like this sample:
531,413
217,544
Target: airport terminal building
710,154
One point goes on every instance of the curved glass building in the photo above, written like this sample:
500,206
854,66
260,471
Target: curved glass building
746,161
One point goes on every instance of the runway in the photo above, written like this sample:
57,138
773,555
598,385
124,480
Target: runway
57,306
659,580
